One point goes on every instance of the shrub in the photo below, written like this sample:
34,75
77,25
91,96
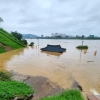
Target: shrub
11,89
24,41
31,44
82,47
4,76
66,95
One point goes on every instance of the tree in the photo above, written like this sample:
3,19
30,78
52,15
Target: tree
31,44
1,20
17,35
24,41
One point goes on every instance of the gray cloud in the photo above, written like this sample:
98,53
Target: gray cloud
72,17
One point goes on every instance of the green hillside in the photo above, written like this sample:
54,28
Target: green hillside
8,42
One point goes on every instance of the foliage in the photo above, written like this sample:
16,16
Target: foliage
4,76
11,89
8,40
31,44
82,47
66,95
24,41
2,49
17,35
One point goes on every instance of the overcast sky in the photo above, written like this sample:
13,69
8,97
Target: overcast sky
72,17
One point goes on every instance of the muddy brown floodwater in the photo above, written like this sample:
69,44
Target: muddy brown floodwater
82,66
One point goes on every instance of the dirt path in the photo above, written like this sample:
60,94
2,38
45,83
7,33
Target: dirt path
43,87
5,47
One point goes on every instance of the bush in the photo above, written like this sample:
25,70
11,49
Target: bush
31,44
82,47
66,95
24,41
11,89
4,76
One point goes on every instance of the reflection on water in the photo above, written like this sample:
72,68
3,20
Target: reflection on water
63,69
95,52
85,51
52,53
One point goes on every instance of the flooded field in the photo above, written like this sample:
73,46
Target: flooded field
82,66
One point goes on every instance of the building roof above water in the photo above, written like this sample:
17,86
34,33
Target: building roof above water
54,48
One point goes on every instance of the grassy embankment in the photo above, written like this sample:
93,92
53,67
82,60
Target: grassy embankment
66,95
8,40
2,49
10,89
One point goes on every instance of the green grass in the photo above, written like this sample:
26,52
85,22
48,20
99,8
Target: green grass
2,49
82,47
11,89
9,41
66,95
10,36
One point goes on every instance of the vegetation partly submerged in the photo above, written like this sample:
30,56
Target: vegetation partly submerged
5,76
9,89
66,95
82,47
31,44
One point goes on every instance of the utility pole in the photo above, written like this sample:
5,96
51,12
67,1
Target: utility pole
38,41
82,43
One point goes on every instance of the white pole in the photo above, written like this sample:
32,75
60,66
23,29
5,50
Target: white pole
38,41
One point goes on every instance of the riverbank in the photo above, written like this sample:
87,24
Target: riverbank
9,42
25,84
43,87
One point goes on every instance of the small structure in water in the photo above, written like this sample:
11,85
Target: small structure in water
54,48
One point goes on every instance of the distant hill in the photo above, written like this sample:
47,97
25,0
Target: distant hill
29,36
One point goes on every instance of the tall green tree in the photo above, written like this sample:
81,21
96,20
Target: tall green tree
17,35
1,20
